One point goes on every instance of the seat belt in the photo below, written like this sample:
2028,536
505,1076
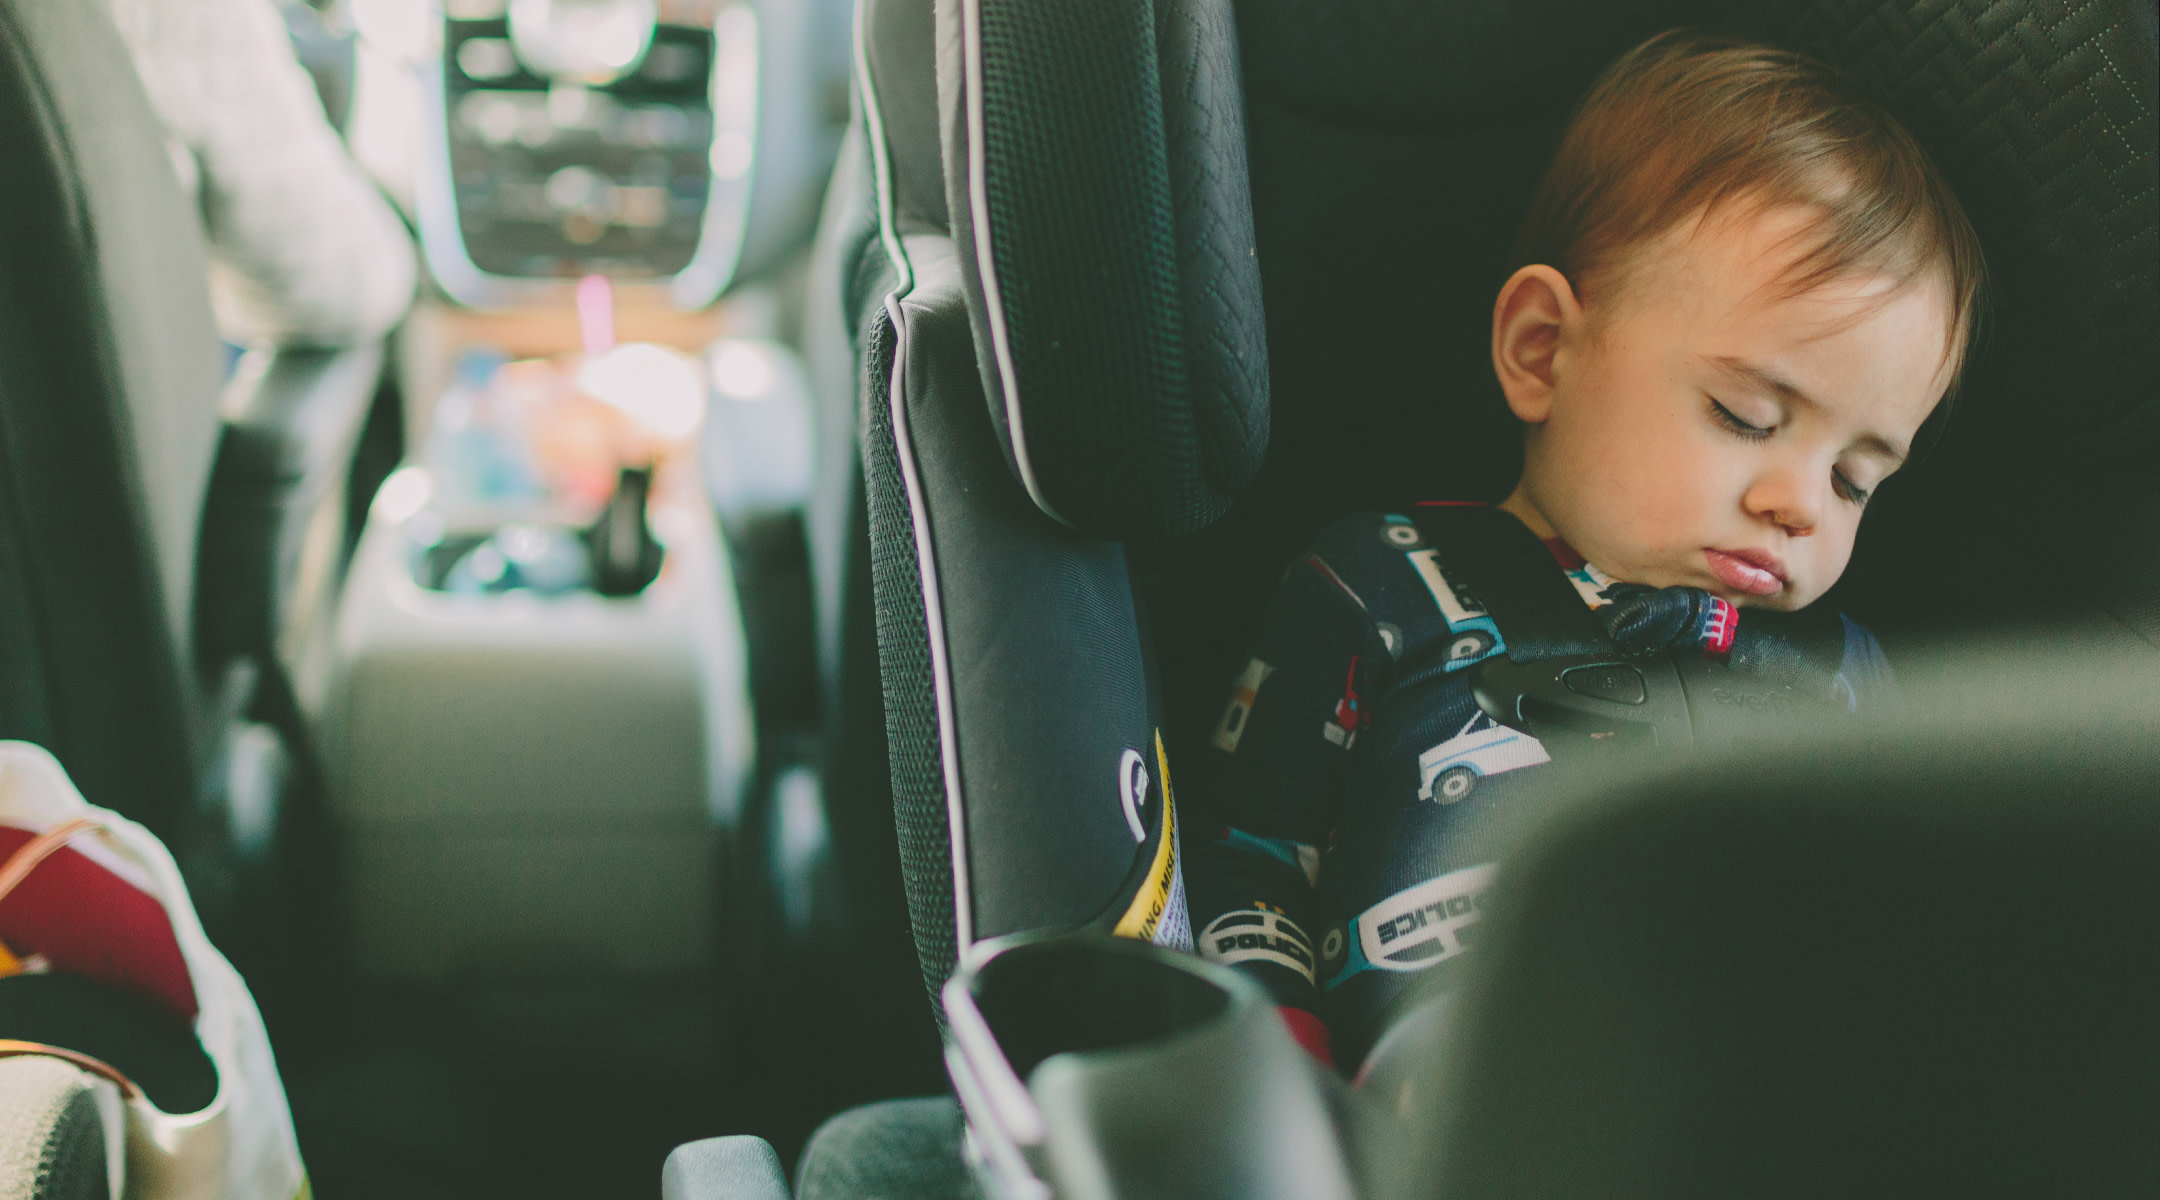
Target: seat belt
1565,681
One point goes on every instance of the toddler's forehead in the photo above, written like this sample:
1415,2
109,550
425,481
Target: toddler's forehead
1729,287
1737,239
1743,257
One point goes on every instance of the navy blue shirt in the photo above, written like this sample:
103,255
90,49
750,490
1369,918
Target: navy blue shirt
1360,783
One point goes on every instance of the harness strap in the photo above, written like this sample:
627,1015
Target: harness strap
1567,682
1490,553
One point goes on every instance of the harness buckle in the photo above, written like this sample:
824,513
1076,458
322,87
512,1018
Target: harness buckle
1601,704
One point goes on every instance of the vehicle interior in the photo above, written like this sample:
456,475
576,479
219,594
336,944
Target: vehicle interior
716,670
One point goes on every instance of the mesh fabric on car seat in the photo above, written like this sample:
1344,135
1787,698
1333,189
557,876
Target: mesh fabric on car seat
910,702
1094,168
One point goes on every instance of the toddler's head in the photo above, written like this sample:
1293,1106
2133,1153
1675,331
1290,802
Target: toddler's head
1743,290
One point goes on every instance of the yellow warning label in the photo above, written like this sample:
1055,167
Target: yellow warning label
1147,909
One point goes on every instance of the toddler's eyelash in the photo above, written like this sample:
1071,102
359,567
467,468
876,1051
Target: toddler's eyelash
1742,428
1852,493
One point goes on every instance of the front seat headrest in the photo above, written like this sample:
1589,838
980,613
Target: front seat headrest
1096,181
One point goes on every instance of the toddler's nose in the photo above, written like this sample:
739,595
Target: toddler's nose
1785,499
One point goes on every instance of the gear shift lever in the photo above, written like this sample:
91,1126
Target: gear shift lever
625,555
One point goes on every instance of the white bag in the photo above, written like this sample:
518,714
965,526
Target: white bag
239,1147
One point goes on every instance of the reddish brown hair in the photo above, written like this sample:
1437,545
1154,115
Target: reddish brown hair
1688,121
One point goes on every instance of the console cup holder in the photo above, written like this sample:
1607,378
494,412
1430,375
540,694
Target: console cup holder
1093,1067
617,555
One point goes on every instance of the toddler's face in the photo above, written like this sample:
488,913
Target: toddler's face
1697,426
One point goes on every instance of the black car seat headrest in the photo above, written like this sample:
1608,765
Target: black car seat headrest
1096,189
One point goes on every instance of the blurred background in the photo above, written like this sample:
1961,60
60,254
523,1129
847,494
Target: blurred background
547,889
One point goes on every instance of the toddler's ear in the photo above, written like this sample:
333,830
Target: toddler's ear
1534,305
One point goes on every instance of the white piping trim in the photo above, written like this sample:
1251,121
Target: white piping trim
918,511
1010,1103
986,259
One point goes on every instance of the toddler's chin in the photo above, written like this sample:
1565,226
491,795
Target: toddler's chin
1790,599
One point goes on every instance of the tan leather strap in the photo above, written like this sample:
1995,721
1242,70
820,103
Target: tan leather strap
11,1048
28,855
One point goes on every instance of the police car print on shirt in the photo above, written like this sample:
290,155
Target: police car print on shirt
1342,726
1258,935
1482,747
1472,633
1590,583
1416,928
1390,637
1290,798
1298,856
1243,693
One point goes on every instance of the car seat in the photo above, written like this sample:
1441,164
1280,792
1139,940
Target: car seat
1019,707
1091,241
108,389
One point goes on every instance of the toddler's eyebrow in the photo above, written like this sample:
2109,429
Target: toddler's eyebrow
1771,381
1763,378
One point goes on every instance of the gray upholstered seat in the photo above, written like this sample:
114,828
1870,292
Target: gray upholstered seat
110,372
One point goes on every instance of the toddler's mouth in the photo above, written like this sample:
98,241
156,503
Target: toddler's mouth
1753,572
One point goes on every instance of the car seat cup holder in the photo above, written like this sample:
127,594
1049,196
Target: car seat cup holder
1095,1066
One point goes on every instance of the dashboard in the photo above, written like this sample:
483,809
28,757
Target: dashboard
532,181
555,179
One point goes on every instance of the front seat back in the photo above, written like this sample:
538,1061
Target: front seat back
109,379
1919,962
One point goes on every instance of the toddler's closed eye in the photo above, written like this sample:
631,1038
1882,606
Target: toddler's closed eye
1847,490
1733,423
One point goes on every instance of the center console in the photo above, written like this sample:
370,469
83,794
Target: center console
542,729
